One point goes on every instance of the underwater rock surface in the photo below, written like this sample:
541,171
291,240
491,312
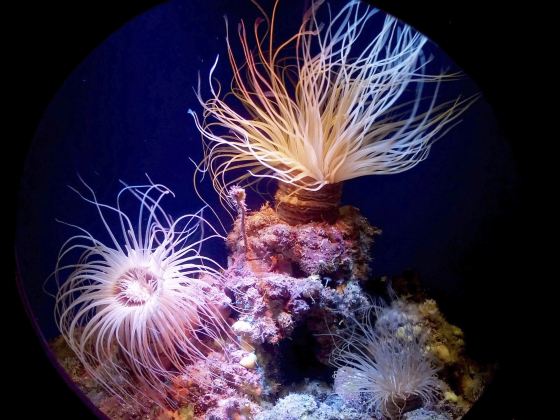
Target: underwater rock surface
293,282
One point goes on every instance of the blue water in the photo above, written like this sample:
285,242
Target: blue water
123,113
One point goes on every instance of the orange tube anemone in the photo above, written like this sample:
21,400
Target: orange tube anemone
317,110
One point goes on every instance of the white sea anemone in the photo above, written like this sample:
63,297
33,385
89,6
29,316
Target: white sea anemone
389,371
138,309
317,109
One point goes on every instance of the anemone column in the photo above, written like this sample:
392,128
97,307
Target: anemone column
296,205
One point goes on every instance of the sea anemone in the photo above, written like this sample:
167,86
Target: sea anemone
387,369
325,112
138,309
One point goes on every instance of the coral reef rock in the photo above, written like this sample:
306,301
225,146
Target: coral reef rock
338,250
294,289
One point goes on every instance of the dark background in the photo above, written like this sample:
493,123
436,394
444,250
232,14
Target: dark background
53,39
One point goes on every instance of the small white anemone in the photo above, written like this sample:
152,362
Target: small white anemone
138,309
327,111
389,370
